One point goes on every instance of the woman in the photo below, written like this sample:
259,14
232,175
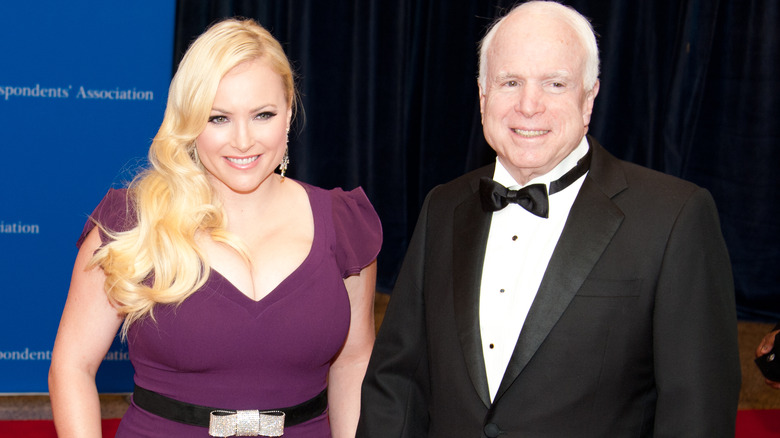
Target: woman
235,288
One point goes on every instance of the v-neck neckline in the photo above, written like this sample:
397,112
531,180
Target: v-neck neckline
277,292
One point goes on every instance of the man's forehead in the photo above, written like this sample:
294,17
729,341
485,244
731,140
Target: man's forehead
540,60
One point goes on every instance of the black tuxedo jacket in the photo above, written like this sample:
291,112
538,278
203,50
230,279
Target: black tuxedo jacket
631,334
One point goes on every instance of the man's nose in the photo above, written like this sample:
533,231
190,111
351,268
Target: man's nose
530,100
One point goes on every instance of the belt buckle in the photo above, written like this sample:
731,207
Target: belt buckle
246,423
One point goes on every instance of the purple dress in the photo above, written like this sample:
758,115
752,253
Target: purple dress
220,348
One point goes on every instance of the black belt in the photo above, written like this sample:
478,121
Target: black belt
197,415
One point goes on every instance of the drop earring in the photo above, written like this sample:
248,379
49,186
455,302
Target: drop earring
286,158
285,163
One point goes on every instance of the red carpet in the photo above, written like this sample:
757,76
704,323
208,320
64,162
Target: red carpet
45,428
750,424
758,423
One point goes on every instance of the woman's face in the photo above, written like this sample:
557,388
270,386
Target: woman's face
246,134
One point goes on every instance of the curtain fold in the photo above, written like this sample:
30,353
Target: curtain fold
735,148
688,87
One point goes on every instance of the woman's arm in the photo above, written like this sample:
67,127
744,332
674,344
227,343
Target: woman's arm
349,368
87,328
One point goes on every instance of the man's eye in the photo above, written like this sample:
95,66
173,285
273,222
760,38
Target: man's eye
511,84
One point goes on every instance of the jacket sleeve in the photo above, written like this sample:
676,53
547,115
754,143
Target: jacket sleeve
395,389
695,349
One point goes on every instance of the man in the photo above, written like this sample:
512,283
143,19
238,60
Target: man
607,312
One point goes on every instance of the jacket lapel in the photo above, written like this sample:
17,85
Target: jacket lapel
470,233
592,222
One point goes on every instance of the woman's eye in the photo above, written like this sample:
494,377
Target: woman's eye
266,115
218,120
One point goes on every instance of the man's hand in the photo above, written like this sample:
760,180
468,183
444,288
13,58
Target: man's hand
766,344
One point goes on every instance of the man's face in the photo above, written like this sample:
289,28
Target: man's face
535,109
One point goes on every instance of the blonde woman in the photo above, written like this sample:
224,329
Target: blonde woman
245,298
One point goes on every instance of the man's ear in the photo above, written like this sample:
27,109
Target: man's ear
481,99
587,105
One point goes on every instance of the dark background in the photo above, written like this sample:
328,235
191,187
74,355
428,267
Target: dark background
688,87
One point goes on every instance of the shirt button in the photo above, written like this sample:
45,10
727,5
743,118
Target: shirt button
514,238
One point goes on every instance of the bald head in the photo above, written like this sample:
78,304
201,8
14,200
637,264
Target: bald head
545,11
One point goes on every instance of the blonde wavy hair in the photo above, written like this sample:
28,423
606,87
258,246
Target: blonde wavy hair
173,198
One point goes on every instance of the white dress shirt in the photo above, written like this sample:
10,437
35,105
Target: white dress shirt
519,248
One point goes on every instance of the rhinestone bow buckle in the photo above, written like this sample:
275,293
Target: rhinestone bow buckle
246,423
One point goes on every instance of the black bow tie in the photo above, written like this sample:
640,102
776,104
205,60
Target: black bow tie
534,197
495,197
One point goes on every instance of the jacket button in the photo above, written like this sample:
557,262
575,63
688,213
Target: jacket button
491,430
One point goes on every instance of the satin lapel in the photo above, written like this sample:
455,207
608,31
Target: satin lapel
470,232
592,222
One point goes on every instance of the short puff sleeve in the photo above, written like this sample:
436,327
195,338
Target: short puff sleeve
358,230
114,213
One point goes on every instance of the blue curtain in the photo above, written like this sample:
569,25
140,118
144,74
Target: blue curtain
688,87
